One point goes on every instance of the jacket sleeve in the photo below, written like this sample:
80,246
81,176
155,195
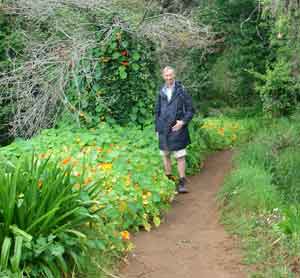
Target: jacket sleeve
189,109
157,111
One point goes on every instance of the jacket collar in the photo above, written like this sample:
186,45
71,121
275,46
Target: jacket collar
175,91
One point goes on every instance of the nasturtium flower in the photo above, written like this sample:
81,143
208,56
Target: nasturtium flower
125,235
66,160
105,166
88,180
40,184
124,53
76,174
221,131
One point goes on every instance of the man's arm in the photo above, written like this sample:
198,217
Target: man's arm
157,112
189,109
188,113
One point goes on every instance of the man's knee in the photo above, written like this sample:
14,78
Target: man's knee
165,154
181,154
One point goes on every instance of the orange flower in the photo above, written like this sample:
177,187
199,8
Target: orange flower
87,180
125,63
125,235
66,160
221,131
99,150
43,155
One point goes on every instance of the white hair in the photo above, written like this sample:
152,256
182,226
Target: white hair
168,68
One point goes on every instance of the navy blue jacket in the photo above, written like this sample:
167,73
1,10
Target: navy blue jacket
179,107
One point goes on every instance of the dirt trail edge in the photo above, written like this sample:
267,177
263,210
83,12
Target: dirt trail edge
190,243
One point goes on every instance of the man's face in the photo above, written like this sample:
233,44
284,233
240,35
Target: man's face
169,76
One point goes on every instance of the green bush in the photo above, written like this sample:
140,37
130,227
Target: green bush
279,91
116,80
41,215
220,73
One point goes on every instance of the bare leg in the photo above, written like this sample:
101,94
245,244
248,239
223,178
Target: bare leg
181,166
167,164
181,170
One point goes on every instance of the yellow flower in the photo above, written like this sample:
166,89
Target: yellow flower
127,180
105,166
145,199
234,137
40,184
125,235
122,206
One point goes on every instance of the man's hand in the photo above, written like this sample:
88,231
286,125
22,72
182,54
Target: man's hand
178,126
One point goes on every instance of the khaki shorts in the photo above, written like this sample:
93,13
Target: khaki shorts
177,154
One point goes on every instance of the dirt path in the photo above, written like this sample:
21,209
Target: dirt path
190,243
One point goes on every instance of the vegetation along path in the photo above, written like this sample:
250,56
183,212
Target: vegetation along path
190,243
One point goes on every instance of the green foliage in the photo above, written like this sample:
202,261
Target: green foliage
290,224
41,215
261,197
121,84
242,37
279,91
124,165
249,189
11,41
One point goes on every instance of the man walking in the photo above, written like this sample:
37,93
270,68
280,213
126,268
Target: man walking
173,112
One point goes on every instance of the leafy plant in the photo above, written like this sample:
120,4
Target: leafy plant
279,91
116,80
290,225
41,214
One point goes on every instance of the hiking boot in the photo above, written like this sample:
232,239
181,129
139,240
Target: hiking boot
181,186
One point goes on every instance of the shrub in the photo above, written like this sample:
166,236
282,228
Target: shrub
115,80
279,91
41,215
